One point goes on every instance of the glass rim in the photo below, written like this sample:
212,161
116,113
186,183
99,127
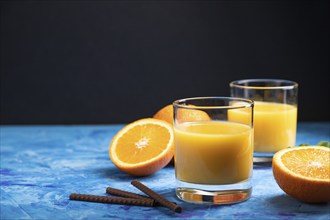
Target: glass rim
238,84
248,103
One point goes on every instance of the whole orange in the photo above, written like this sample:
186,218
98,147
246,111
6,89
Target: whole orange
166,114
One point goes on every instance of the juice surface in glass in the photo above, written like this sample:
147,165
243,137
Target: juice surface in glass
213,152
274,125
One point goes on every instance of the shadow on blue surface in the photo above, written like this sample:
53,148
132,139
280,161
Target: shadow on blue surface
284,205
112,173
262,165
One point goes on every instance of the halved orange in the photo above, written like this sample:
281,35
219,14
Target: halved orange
143,147
304,173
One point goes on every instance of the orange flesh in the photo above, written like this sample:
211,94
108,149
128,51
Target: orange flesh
311,162
141,143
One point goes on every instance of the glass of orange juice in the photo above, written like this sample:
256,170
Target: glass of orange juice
213,155
275,113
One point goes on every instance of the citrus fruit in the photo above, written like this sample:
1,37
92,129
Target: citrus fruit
143,147
304,173
166,114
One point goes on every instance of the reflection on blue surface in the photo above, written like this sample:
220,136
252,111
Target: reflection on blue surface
42,165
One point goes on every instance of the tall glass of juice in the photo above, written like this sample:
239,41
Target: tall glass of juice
275,113
213,155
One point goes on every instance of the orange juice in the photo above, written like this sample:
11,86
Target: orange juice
274,125
213,152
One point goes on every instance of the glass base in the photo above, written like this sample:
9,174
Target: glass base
214,194
260,157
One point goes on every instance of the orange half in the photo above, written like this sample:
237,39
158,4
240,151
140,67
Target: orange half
143,147
304,173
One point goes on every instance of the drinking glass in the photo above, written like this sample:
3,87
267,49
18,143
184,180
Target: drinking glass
275,113
213,154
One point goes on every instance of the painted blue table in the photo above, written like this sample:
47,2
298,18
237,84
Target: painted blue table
42,165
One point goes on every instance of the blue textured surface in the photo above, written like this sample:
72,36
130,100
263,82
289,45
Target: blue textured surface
42,165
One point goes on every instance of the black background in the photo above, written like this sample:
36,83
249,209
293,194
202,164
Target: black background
98,62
